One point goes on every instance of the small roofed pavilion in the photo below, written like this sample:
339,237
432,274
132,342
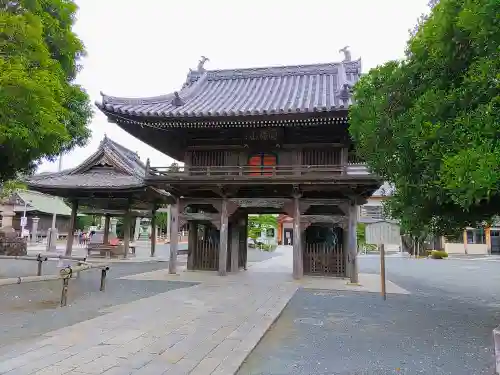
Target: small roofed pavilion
109,183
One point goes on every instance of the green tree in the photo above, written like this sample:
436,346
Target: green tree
258,223
85,221
162,220
42,111
430,123
9,187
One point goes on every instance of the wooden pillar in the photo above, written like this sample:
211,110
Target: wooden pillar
192,243
174,237
169,215
153,231
107,220
353,243
72,226
345,244
127,220
298,268
223,238
235,245
245,235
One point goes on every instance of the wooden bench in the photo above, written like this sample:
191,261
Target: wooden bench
108,250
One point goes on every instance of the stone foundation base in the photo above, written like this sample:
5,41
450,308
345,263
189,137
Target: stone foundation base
10,244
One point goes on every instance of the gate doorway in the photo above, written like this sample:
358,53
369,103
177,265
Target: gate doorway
288,236
495,241
323,253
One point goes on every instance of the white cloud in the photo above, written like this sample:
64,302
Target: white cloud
144,48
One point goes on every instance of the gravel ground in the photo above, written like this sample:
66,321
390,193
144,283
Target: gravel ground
442,328
28,310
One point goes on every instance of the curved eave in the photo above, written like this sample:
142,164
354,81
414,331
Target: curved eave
179,115
60,190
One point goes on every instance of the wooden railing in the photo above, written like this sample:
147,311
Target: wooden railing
248,171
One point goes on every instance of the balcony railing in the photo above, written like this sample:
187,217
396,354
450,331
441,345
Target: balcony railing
258,172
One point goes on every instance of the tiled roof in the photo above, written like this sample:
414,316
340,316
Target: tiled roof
244,92
41,202
386,190
112,166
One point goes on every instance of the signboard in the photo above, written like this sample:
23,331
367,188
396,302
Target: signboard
24,221
383,233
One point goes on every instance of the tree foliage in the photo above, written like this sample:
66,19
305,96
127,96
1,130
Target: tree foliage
258,223
161,220
430,124
42,111
9,187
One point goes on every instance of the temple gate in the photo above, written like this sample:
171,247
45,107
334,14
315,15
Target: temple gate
257,140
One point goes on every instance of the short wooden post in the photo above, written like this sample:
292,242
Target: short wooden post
223,238
174,237
39,260
382,271
64,292
72,226
104,271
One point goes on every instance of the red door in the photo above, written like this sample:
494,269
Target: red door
262,164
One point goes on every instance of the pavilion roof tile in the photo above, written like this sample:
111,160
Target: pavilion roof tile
112,166
247,92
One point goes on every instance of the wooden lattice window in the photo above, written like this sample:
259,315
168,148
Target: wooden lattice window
262,164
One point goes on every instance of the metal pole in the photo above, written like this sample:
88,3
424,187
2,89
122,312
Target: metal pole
382,271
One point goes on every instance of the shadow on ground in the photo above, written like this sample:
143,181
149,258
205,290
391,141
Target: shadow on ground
347,333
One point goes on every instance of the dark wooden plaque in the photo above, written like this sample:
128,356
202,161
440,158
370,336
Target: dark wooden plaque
274,135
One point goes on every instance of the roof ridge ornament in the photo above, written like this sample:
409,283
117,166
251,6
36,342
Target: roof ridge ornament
177,100
201,64
347,54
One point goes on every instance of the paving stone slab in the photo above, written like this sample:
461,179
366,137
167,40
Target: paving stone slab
211,326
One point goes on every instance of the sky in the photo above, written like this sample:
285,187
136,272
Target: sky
145,48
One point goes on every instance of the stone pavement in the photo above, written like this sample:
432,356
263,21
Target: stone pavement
205,329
